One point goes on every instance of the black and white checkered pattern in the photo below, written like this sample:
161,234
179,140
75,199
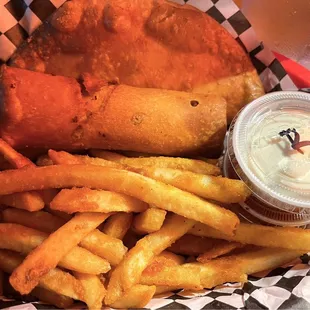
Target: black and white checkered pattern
19,18
230,17
283,288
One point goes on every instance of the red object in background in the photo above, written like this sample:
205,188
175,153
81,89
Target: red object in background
299,74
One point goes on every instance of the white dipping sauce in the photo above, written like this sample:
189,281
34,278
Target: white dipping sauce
277,173
272,157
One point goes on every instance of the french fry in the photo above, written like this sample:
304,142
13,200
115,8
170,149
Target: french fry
193,165
219,249
139,160
206,186
94,290
149,221
52,298
117,225
175,276
160,262
16,159
137,297
140,154
150,191
262,259
30,201
197,276
107,155
192,245
39,262
265,236
210,161
88,200
104,246
23,240
165,258
227,269
129,271
234,268
40,220
136,154
63,283
109,248
44,160
217,274
55,280
63,158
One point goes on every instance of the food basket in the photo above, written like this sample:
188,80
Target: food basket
283,288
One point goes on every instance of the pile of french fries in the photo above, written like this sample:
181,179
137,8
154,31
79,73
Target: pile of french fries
113,230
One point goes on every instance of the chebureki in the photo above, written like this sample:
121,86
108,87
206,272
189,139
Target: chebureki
149,43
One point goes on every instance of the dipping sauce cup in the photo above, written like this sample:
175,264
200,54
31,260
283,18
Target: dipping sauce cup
268,147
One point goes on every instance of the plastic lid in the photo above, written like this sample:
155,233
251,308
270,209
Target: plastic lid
267,158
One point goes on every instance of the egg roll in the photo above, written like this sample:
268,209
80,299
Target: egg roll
44,111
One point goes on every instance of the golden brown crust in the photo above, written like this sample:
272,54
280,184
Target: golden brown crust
237,90
55,112
150,43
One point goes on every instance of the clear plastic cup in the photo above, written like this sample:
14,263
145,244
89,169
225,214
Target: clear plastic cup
277,174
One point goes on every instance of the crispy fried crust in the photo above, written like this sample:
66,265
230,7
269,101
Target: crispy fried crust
259,235
152,43
58,112
87,200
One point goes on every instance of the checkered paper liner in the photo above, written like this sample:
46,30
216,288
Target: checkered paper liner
19,18
283,288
